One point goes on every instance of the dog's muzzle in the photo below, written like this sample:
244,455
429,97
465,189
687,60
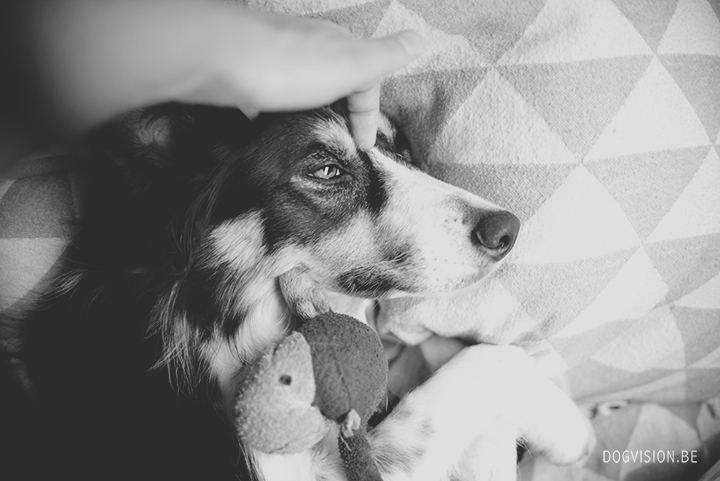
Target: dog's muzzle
496,233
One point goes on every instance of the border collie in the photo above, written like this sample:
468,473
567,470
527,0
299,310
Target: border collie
195,219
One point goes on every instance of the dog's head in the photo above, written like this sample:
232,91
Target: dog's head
394,230
295,188
365,223
247,201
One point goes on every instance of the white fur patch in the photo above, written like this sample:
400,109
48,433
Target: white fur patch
266,325
434,218
238,242
335,133
464,421
386,127
251,291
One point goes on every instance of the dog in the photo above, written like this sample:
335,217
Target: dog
206,236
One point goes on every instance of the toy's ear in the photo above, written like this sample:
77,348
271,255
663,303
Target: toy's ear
167,141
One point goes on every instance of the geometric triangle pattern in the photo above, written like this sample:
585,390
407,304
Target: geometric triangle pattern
705,297
587,93
656,115
620,300
362,20
699,331
577,347
630,431
431,90
650,23
672,428
599,31
695,212
452,51
693,29
616,430
500,183
652,343
597,122
646,185
671,258
567,288
697,77
480,25
593,225
486,122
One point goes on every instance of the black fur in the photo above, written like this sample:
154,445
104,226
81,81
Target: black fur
108,403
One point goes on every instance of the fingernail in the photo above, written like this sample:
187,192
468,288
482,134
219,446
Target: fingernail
367,142
250,112
414,43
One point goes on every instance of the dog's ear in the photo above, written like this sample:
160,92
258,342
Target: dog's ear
167,141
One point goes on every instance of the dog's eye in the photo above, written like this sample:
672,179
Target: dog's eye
327,172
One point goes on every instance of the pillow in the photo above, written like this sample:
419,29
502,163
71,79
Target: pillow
597,123
39,206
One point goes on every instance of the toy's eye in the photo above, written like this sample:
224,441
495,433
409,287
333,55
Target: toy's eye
286,379
328,172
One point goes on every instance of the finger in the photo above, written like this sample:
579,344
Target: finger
249,111
382,56
332,25
363,110
284,21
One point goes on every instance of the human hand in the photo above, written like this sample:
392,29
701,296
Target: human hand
288,63
94,60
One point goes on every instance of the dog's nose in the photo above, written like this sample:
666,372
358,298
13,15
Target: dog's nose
496,232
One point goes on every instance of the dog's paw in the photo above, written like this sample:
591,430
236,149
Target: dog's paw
571,442
557,428
302,294
490,458
463,423
590,445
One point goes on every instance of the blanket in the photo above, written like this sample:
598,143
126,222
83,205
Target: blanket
597,122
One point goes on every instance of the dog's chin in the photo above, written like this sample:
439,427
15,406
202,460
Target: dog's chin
446,290
425,286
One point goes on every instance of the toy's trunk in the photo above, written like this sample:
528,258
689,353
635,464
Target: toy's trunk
359,463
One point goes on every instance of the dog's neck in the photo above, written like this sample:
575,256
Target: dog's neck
266,322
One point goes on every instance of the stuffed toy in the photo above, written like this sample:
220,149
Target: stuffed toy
333,369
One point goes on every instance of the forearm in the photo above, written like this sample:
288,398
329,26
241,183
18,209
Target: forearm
96,59
76,63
